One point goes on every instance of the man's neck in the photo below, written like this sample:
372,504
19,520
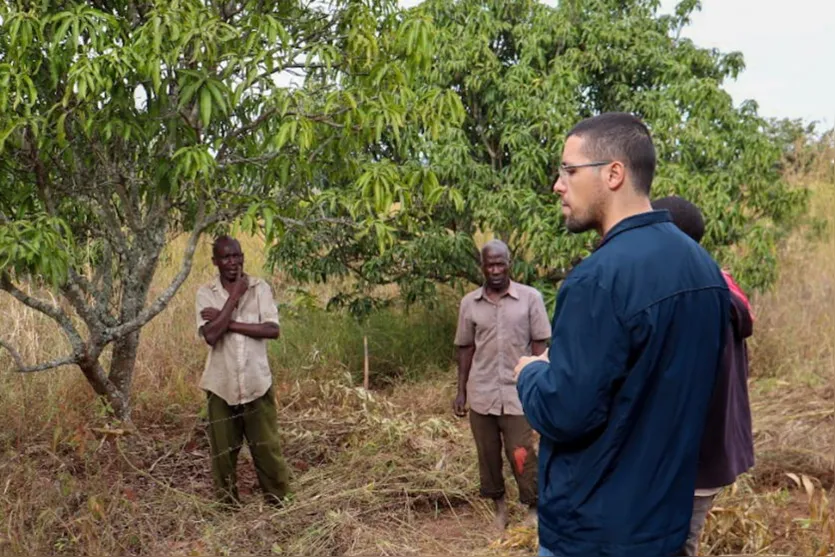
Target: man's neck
634,205
226,284
496,294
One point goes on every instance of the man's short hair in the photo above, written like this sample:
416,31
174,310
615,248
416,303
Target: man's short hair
495,246
620,136
222,239
686,216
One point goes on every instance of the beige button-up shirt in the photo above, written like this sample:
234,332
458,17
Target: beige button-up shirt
236,368
502,332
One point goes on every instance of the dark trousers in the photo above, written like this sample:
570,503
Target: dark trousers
514,432
257,422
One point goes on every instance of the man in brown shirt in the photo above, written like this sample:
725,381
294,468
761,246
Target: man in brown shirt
236,316
497,324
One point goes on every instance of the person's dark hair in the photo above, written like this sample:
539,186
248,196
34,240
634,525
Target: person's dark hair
620,136
222,239
686,216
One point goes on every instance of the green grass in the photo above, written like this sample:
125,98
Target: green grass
403,345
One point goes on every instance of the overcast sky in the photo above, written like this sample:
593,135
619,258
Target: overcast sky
789,51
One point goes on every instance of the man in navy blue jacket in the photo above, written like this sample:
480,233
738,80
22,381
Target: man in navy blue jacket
621,397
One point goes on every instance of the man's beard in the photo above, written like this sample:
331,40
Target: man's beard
577,224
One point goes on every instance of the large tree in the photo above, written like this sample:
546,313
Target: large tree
125,122
525,73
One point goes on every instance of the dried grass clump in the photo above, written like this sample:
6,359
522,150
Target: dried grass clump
784,506
360,464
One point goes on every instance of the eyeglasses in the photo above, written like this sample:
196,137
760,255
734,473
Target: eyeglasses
564,168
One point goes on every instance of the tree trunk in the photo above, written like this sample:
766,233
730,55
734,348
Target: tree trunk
92,299
120,403
124,362
118,400
137,285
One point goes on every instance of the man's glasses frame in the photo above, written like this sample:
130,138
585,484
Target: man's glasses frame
564,167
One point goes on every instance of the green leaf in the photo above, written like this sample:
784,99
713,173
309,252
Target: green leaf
286,132
217,95
205,106
187,93
156,75
4,135
61,129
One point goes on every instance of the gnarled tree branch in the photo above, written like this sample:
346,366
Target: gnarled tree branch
56,313
131,217
93,315
100,296
104,276
111,220
163,299
22,368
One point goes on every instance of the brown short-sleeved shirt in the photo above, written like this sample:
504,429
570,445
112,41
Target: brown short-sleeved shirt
236,368
502,333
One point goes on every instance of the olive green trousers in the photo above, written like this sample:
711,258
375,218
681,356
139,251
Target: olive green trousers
257,422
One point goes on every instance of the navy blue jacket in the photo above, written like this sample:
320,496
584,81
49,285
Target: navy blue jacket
638,334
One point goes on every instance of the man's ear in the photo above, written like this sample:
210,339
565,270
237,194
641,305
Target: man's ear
615,175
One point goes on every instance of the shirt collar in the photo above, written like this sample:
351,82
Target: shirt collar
636,221
217,286
512,291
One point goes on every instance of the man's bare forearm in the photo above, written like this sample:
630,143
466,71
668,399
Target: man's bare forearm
255,330
538,347
215,329
465,362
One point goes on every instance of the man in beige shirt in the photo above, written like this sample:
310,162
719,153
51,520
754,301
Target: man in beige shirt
497,324
236,316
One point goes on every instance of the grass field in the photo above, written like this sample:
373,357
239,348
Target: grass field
386,472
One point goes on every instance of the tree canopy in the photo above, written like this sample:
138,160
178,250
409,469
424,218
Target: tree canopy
125,122
361,140
525,74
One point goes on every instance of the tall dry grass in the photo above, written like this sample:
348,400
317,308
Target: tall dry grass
388,473
72,485
785,505
403,345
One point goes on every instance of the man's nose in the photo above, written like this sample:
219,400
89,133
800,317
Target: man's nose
559,185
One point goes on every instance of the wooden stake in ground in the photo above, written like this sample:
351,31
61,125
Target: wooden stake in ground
365,362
